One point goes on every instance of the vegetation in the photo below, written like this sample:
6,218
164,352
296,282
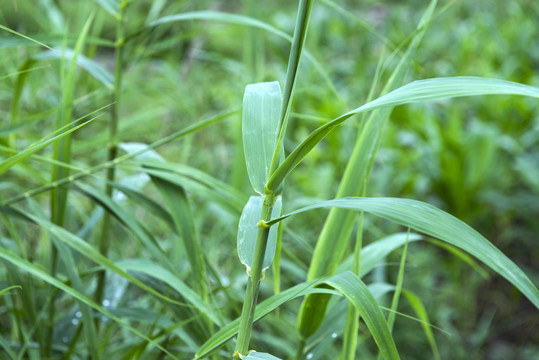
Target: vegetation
338,151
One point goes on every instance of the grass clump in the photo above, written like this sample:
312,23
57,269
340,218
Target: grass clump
130,163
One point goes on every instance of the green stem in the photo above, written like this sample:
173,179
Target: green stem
253,283
113,147
300,34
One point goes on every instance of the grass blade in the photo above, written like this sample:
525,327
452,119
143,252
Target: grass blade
417,91
422,315
13,160
37,272
180,210
351,286
432,221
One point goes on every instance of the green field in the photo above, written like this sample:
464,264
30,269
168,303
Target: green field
374,166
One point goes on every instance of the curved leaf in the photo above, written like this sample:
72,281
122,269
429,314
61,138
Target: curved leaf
432,221
421,90
347,284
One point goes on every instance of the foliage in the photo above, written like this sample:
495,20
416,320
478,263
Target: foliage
150,148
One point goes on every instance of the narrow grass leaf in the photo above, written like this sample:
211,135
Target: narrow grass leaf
5,290
417,91
230,330
84,249
23,73
260,128
372,254
39,273
13,160
199,182
174,136
180,210
128,220
158,272
111,6
421,313
432,221
248,230
340,281
351,286
93,68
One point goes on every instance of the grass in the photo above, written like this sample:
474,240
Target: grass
137,185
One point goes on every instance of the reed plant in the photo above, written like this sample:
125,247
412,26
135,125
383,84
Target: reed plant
114,244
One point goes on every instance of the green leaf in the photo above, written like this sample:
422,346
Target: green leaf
228,331
13,160
346,283
248,229
422,90
111,6
254,355
5,290
432,221
210,188
221,16
180,210
351,286
260,128
39,273
372,254
158,272
85,249
93,68
421,313
129,221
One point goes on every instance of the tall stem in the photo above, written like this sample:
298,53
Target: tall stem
253,283
112,146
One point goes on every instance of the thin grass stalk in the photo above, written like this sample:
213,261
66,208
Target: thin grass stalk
253,283
255,275
70,179
103,244
298,41
398,286
62,153
352,316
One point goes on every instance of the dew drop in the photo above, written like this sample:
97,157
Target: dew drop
334,335
78,314
106,303
74,321
310,355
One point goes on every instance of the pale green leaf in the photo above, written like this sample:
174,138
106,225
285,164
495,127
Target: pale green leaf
254,355
260,127
248,229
